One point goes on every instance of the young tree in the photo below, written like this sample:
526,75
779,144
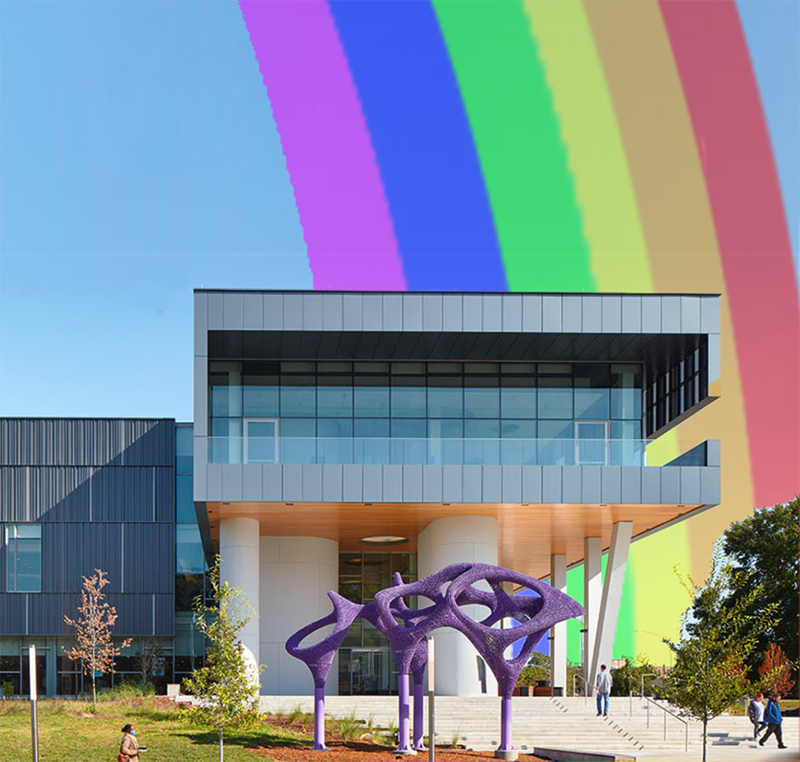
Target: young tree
96,618
150,659
775,671
711,659
227,688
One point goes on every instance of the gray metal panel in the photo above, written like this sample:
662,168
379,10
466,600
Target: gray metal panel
551,313
512,484
590,484
200,468
531,313
332,490
233,312
272,485
253,312
432,309
473,313
373,312
592,309
201,323
452,313
572,313
373,484
412,312
492,484
392,484
292,312
312,483
432,484
452,484
353,484
216,313
492,313
293,483
670,486
651,314
631,485
472,480
412,484
392,312
710,486
201,396
670,314
551,484
251,483
713,453
610,484
353,312
232,482
612,314
690,314
631,314
571,487
312,312
651,486
512,313
273,312
333,312
709,314
532,484
714,357
690,484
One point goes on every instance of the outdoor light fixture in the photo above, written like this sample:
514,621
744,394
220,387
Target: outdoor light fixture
384,539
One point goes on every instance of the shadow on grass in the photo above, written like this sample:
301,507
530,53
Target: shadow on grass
266,737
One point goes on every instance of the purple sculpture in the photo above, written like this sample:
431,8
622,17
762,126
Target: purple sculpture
535,613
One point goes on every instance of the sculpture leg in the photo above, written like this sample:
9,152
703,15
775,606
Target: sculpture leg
319,717
419,715
403,746
505,750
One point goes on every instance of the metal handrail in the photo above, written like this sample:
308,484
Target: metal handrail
583,680
672,714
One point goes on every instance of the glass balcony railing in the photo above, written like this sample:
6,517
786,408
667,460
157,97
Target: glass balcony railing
431,452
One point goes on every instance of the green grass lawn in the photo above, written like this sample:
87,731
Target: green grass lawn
69,731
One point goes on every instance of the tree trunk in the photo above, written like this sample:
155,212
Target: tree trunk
220,744
705,727
94,693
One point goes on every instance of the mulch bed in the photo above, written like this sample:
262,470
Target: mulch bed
347,751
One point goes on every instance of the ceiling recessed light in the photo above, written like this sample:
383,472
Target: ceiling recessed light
289,503
384,539
604,505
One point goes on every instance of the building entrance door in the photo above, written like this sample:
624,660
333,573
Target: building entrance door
370,669
261,440
591,443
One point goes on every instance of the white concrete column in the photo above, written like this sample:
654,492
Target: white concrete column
448,541
592,592
296,575
612,594
239,551
558,634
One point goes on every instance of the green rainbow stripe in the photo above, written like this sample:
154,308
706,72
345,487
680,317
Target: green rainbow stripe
519,144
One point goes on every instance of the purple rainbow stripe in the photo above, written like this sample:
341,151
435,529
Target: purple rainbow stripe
340,197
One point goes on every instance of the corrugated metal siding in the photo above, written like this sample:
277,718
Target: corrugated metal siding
72,550
86,442
44,493
149,558
12,613
125,494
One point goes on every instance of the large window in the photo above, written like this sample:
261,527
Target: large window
23,558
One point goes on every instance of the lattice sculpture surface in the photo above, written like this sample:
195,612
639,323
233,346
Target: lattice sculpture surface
408,637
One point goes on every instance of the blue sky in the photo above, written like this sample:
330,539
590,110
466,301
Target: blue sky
139,159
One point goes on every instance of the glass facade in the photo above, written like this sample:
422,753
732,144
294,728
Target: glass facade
365,663
23,558
268,411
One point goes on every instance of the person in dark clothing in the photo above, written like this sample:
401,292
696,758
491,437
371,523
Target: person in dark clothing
772,716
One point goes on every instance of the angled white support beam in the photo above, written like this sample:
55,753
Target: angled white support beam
592,593
558,634
612,594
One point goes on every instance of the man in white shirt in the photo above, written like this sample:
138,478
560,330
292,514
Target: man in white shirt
602,686
755,711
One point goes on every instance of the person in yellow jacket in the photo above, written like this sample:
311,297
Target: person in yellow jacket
129,746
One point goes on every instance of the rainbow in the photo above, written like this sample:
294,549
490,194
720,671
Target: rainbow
564,146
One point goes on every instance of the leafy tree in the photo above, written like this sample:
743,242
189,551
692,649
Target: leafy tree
776,671
628,677
94,647
713,655
150,659
537,668
227,688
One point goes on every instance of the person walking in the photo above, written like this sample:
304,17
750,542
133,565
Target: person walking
602,686
772,715
129,748
755,711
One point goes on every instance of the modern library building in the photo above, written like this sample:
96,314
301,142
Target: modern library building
339,438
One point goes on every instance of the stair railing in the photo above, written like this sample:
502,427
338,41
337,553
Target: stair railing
672,714
585,692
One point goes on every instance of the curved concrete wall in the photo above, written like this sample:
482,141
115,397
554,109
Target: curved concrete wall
295,576
448,541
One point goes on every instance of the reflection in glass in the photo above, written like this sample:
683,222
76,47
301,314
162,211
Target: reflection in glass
555,403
